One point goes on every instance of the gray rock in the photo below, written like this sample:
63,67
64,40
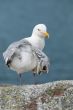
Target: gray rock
50,96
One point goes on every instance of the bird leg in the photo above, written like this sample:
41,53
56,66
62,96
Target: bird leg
34,73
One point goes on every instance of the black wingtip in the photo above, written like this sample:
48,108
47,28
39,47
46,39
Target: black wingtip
8,63
44,68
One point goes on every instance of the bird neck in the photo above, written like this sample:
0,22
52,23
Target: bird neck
38,42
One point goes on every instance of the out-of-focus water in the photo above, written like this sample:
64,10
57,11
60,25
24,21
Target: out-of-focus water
17,19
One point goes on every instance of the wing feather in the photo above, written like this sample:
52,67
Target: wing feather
14,49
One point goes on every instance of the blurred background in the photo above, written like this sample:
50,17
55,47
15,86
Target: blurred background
17,19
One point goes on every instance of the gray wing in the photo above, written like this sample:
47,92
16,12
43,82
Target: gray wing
14,49
43,62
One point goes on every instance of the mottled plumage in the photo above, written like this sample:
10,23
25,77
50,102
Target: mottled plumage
37,57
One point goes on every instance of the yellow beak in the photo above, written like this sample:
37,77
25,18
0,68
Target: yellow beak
46,34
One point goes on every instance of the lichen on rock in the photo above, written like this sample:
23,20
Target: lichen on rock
50,96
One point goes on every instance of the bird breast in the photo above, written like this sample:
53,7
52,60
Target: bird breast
37,42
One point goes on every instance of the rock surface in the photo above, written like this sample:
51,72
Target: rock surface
50,96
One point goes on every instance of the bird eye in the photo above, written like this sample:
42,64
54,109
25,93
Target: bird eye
38,29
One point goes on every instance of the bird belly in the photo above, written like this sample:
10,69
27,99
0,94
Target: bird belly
25,64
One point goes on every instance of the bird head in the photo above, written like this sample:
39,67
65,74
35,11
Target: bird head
40,30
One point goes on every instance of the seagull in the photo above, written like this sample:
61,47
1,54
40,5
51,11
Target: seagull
26,54
22,57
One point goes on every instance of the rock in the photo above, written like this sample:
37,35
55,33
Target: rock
50,96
